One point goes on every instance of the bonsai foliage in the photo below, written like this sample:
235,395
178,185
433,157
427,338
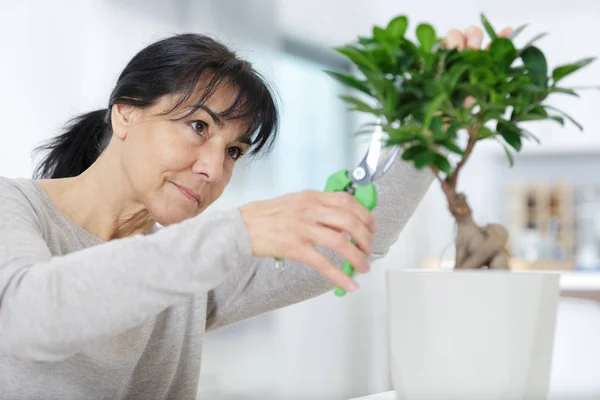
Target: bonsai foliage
437,102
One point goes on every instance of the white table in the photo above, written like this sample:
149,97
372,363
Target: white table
381,396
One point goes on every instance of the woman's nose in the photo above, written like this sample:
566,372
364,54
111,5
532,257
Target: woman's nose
210,162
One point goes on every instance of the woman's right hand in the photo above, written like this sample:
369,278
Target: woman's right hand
293,225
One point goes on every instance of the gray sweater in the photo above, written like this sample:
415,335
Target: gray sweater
81,318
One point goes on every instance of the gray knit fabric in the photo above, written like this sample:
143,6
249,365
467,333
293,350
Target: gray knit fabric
81,318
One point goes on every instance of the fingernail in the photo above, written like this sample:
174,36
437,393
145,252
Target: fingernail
352,287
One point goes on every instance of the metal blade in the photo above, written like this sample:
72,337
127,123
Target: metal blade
374,152
389,161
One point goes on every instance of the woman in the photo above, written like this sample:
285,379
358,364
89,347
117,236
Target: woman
96,303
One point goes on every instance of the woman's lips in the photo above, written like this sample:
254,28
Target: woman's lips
188,193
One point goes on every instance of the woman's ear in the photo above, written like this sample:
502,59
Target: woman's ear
123,117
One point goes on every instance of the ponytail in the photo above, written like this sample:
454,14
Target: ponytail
75,150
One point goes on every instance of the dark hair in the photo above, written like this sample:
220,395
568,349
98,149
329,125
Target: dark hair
172,66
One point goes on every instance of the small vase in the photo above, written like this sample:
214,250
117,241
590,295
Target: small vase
472,334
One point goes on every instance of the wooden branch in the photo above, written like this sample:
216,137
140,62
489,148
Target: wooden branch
452,180
436,173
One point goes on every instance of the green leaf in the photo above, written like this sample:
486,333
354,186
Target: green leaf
484,132
442,163
511,133
436,128
452,130
403,140
432,88
558,119
366,41
504,52
424,159
357,56
397,27
403,62
456,73
488,27
556,89
453,148
518,31
391,102
360,106
409,131
350,80
530,135
567,116
535,61
531,88
433,107
409,48
536,114
511,160
565,70
426,36
380,35
410,153
535,39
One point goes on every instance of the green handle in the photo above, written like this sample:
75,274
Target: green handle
366,195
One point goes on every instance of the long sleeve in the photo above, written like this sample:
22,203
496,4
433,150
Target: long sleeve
53,306
259,286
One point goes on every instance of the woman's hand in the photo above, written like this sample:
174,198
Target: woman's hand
472,38
293,225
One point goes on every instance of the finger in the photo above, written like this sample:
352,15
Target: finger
327,268
455,40
506,32
470,101
336,241
474,37
346,200
343,220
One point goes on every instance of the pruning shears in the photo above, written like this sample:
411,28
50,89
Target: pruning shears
359,181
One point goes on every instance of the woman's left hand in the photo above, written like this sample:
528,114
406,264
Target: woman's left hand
472,38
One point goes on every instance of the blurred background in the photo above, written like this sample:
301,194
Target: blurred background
60,58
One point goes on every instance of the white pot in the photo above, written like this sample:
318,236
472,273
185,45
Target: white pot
471,335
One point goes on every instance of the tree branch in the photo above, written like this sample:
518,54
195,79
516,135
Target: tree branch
436,173
452,180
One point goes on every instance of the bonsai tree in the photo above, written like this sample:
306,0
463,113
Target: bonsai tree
429,97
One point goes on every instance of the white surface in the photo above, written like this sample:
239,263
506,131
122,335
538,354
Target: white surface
580,281
381,396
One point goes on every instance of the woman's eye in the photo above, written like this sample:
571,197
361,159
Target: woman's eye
235,152
199,126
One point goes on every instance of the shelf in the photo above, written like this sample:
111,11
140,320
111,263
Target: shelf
582,284
580,281
549,149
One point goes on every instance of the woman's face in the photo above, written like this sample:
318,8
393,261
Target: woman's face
177,168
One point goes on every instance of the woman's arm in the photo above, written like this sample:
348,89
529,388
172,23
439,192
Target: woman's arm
259,287
51,307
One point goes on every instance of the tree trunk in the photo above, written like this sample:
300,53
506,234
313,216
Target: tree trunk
476,247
